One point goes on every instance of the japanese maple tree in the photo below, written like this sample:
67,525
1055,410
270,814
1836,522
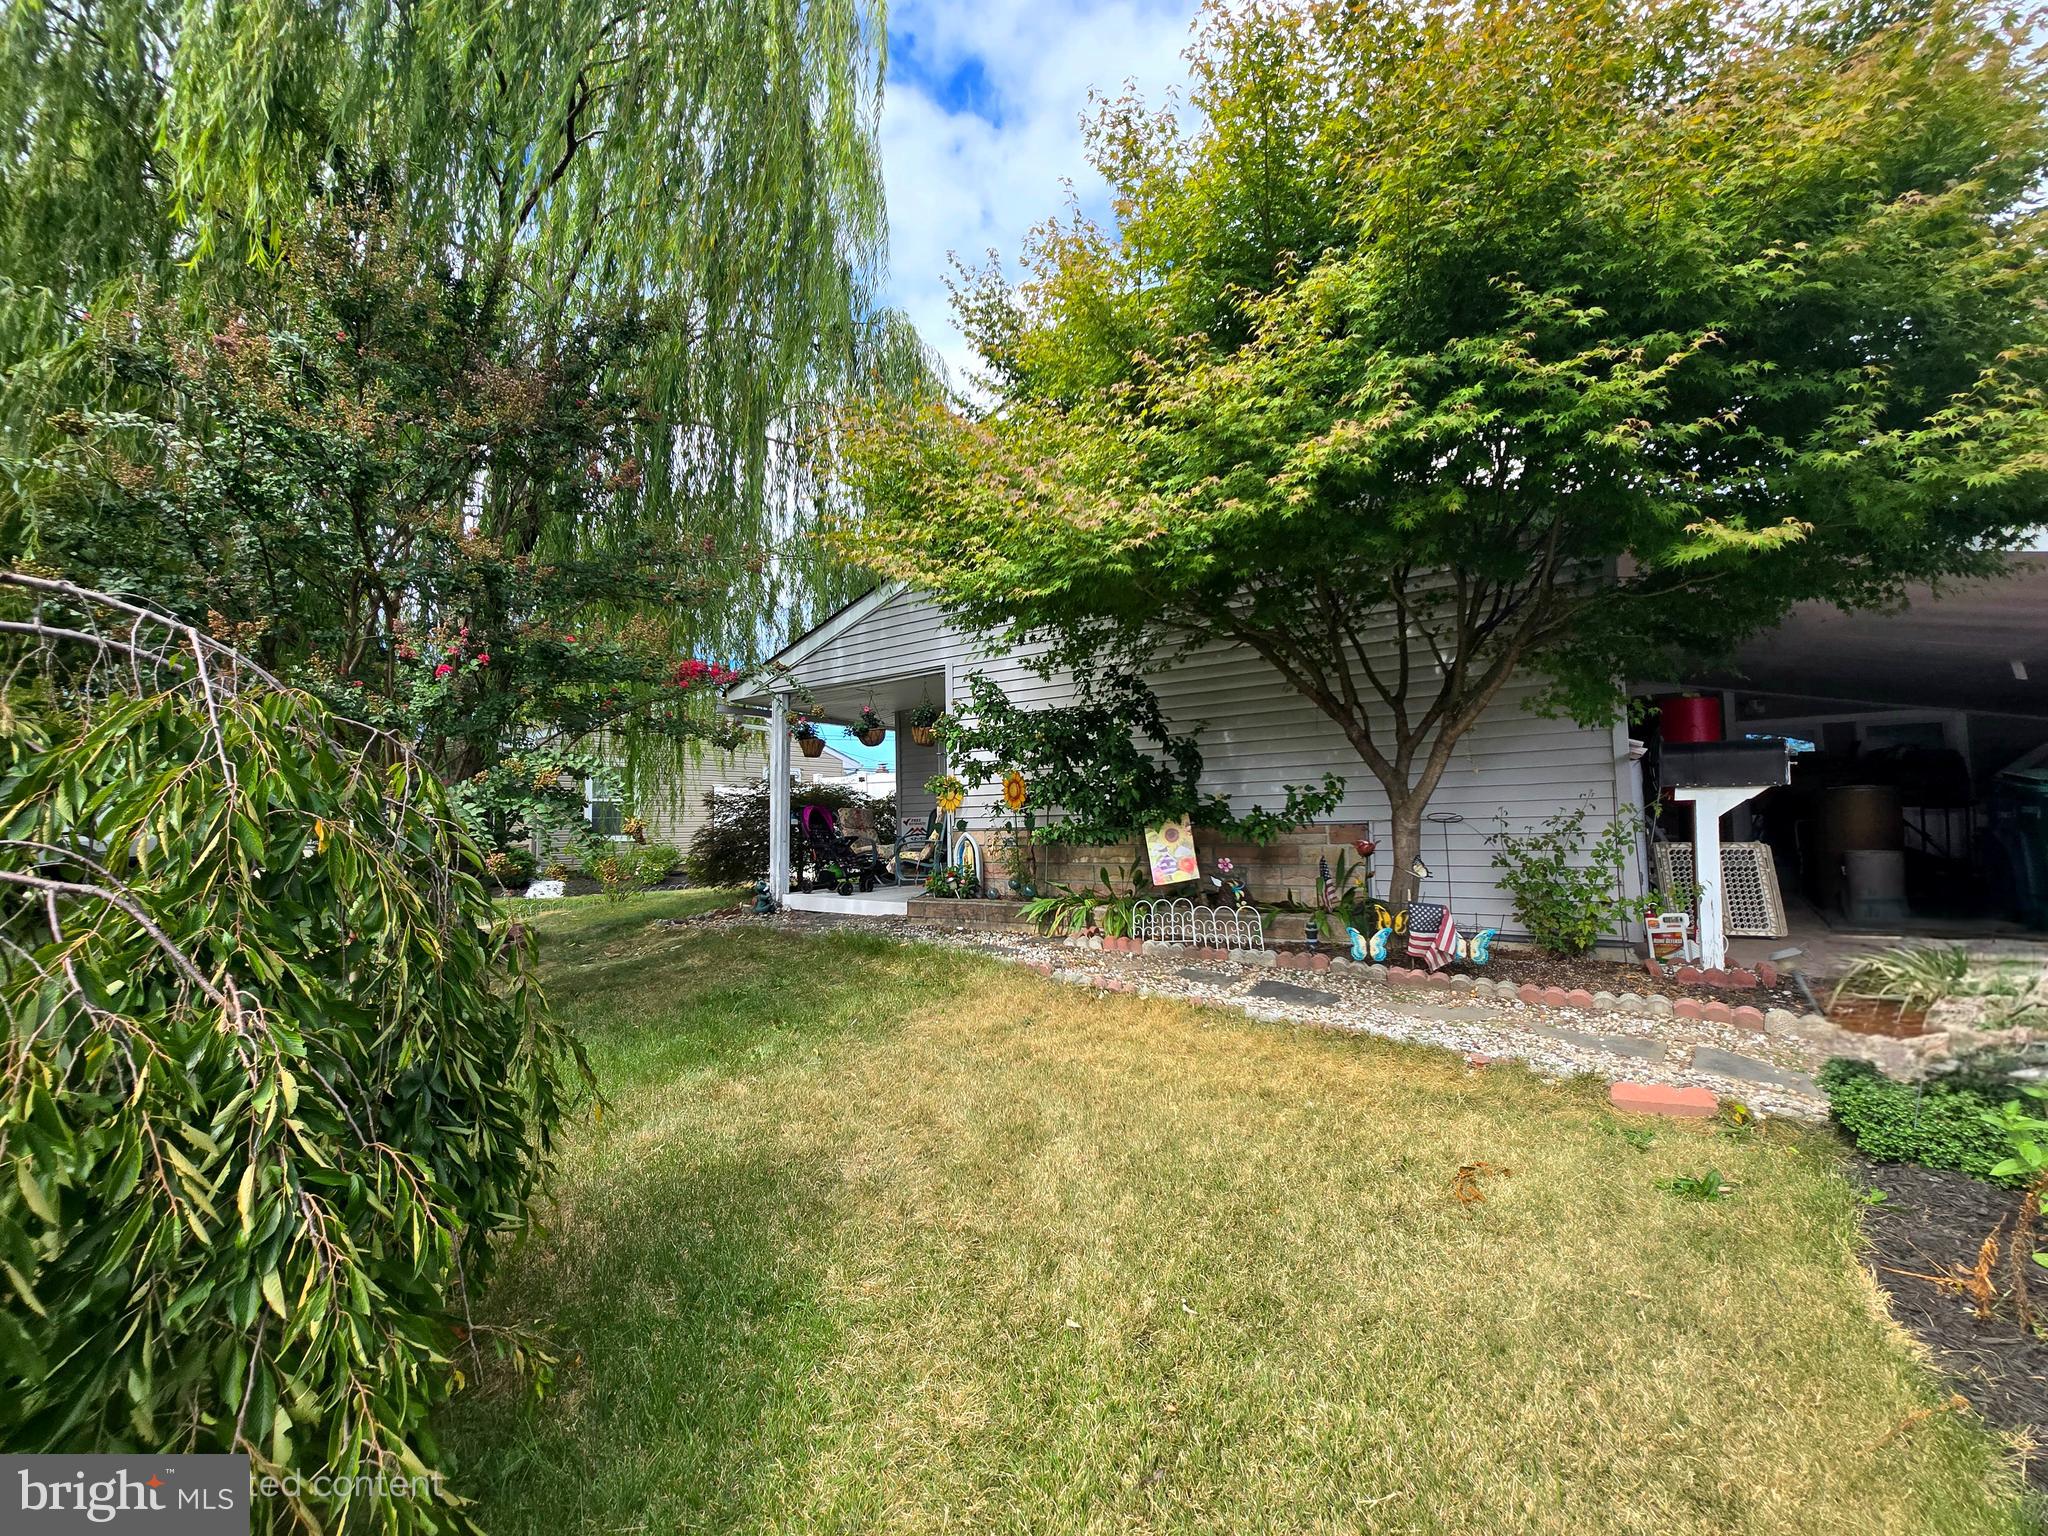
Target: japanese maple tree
1453,342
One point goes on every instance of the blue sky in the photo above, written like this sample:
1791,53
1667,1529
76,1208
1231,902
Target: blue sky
981,127
981,137
840,739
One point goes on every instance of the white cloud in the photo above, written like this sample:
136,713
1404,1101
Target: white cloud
967,175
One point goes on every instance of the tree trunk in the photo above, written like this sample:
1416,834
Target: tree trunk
1406,847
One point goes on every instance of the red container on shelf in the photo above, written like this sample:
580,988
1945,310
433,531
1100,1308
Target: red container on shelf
1690,716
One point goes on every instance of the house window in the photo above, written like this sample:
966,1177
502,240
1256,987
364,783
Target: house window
607,818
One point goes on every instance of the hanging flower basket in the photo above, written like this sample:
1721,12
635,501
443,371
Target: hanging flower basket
871,736
812,746
924,723
923,735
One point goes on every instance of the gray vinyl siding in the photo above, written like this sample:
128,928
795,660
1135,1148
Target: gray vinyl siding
914,765
1258,735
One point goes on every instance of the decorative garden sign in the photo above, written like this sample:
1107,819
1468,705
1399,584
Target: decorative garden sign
1171,849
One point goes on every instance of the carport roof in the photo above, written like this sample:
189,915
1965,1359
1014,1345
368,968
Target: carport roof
1952,651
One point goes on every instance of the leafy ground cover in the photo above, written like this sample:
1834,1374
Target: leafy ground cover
873,1236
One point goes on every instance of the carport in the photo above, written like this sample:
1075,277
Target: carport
1914,732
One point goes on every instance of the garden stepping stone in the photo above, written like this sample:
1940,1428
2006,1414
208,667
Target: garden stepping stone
1747,1069
1196,974
1614,1045
1287,992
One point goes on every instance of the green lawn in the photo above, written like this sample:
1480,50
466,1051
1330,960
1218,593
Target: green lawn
874,1237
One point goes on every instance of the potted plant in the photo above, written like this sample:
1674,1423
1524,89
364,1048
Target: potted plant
924,723
806,736
871,730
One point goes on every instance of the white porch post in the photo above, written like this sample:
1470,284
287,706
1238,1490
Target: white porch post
778,798
1708,807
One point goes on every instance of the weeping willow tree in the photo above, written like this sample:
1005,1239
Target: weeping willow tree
396,335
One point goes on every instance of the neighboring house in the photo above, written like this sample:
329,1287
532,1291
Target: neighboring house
674,811
1965,672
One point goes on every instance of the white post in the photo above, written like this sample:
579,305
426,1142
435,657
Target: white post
778,799
1708,807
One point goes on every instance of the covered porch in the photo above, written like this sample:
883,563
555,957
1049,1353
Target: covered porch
779,696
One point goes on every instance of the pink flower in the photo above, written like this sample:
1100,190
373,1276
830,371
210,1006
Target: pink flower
1224,866
483,658
443,670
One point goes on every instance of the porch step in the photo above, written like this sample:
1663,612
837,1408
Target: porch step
873,904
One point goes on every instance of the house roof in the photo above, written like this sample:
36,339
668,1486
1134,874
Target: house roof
754,686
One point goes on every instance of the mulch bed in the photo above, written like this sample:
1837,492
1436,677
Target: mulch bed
1866,1016
1933,1222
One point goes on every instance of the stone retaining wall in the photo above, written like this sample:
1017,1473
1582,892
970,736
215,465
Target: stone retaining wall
968,914
1271,872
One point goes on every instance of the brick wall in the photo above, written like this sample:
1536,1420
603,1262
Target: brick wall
1270,871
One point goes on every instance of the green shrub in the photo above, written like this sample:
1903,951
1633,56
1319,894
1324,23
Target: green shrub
627,867
511,867
274,1080
656,862
1567,892
1939,1123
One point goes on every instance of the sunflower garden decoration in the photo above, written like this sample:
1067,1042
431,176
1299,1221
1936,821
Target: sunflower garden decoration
947,790
1020,845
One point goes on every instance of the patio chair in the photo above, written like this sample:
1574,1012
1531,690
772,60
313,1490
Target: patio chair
858,825
917,846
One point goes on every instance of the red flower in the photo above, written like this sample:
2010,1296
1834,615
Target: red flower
443,670
690,673
483,658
